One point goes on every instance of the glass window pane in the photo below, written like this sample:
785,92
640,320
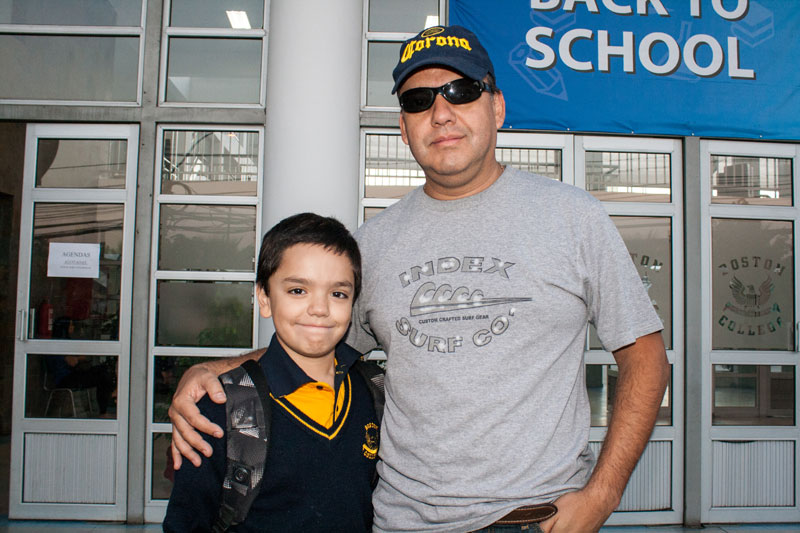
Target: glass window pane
628,177
71,386
210,163
751,180
204,313
75,287
79,68
370,212
72,12
649,242
167,372
207,237
537,161
752,284
409,16
390,170
601,383
226,71
81,163
381,59
241,14
162,469
753,395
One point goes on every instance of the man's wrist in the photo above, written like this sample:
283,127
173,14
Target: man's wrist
604,495
220,366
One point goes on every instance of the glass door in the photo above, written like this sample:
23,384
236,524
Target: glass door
70,416
640,183
750,450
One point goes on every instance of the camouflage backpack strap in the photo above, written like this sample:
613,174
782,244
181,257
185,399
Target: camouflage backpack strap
249,416
373,374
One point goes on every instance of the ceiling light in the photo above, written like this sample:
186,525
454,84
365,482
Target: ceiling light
238,20
431,20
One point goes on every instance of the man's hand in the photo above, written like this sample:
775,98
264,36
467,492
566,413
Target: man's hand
186,418
580,512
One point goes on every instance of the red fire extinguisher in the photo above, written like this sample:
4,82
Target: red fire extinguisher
44,328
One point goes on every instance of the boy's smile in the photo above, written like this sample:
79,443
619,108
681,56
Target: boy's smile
310,300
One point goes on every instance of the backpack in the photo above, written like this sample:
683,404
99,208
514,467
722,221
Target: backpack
249,417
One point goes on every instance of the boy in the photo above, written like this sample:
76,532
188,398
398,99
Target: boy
322,443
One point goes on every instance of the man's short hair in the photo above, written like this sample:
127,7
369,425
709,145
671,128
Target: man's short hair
307,228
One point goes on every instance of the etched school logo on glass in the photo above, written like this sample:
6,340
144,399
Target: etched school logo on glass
751,308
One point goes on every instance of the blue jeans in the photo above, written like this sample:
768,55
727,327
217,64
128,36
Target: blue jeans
531,528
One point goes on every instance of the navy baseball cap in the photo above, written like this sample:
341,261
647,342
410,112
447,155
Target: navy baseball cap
454,47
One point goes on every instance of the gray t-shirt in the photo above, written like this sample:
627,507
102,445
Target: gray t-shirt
481,305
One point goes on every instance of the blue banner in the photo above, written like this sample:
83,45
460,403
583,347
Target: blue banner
711,68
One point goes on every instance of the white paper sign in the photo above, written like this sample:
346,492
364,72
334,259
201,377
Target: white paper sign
73,260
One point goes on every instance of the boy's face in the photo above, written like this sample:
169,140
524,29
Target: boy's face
310,300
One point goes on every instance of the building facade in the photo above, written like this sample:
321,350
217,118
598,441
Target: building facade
148,144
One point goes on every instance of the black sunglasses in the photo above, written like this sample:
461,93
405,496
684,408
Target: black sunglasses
460,91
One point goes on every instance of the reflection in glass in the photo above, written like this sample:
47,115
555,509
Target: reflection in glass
167,372
76,307
649,242
204,313
601,383
71,386
81,163
71,12
210,162
751,180
409,16
390,170
79,68
381,59
163,473
754,395
370,212
242,14
628,177
537,161
210,70
207,237
752,284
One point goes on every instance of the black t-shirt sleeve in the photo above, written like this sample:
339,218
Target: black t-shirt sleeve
195,499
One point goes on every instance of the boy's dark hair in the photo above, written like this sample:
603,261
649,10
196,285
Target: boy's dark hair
306,228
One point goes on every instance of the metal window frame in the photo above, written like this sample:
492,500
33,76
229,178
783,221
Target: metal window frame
573,148
155,509
125,197
167,32
85,31
676,356
388,37
710,433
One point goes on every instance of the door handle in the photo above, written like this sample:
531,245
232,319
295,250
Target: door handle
796,336
22,325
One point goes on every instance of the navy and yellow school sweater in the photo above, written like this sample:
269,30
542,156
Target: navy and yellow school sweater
321,461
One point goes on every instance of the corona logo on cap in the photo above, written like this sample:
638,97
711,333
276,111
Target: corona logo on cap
429,38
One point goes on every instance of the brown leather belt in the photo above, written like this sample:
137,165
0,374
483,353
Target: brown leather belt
528,514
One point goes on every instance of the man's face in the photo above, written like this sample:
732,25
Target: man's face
310,300
454,144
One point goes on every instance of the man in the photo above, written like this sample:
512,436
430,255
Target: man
479,287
